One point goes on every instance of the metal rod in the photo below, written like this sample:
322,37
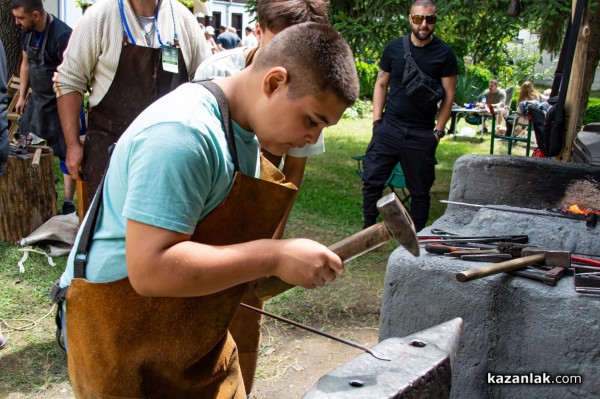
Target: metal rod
522,212
314,330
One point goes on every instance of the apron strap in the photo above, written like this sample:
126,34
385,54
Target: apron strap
88,228
224,110
85,241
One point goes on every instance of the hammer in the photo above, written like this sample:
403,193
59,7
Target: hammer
530,256
396,224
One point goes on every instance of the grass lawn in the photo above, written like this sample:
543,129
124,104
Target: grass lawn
328,209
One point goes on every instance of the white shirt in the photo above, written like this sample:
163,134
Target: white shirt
250,41
92,56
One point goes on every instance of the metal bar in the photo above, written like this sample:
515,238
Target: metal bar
314,330
529,211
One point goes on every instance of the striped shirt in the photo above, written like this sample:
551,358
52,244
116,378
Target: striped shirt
92,56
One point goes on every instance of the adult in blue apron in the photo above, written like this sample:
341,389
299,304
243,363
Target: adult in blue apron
44,54
143,75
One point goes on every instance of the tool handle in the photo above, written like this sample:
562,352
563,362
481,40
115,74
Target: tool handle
496,268
347,249
438,248
36,158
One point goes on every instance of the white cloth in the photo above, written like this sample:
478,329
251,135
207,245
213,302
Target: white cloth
92,56
229,62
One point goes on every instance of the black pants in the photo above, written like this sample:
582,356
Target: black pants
415,150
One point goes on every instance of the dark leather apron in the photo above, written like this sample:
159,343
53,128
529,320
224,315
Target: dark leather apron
139,81
41,114
123,345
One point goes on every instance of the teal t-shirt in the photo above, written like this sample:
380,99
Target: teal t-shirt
170,168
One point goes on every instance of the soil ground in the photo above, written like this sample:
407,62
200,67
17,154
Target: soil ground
292,360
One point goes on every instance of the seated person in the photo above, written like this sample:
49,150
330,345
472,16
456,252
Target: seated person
528,95
495,97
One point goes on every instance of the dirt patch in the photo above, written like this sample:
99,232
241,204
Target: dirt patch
292,360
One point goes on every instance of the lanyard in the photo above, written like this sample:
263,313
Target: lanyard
127,32
38,39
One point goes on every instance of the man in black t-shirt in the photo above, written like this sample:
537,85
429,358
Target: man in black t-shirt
405,132
44,39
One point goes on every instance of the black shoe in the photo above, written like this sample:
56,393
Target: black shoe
68,207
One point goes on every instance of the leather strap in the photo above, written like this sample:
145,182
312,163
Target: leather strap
88,228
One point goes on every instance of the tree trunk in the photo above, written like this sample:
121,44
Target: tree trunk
10,34
27,196
582,76
592,57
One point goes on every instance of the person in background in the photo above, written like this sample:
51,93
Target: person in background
176,254
227,39
496,97
405,132
130,53
209,34
527,95
250,40
274,16
4,145
44,39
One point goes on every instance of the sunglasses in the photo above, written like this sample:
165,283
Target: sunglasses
430,18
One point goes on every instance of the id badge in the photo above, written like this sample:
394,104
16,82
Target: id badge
170,58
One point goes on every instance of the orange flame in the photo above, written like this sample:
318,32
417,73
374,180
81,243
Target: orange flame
575,209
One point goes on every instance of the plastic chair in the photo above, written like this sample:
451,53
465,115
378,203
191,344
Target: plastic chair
395,181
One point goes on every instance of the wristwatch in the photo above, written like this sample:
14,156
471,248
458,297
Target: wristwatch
440,133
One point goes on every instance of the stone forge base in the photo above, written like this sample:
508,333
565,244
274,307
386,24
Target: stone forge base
512,325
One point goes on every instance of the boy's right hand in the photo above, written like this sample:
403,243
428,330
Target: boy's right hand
307,263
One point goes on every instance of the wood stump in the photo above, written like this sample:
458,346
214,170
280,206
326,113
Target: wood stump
27,196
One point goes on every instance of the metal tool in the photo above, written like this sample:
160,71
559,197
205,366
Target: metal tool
319,332
546,274
490,239
493,258
529,211
587,280
530,256
396,224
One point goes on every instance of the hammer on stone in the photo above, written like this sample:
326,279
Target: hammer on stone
396,224
529,257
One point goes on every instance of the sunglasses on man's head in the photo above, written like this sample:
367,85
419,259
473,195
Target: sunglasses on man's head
430,18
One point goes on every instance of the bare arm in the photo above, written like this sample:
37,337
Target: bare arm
380,94
165,263
69,106
23,85
449,84
293,169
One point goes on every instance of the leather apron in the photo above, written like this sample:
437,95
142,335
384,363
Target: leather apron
124,345
41,113
139,81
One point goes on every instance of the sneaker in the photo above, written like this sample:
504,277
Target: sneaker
68,207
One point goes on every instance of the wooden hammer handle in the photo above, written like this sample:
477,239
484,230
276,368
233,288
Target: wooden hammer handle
349,248
496,268
36,158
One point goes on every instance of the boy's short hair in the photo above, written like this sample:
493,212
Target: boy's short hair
316,58
277,15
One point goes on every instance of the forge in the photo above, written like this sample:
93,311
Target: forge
512,325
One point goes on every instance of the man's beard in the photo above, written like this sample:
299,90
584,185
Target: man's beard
423,36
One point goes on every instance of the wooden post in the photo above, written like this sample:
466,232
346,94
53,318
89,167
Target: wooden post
573,100
27,196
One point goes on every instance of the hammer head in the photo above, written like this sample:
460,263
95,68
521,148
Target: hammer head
399,223
554,257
